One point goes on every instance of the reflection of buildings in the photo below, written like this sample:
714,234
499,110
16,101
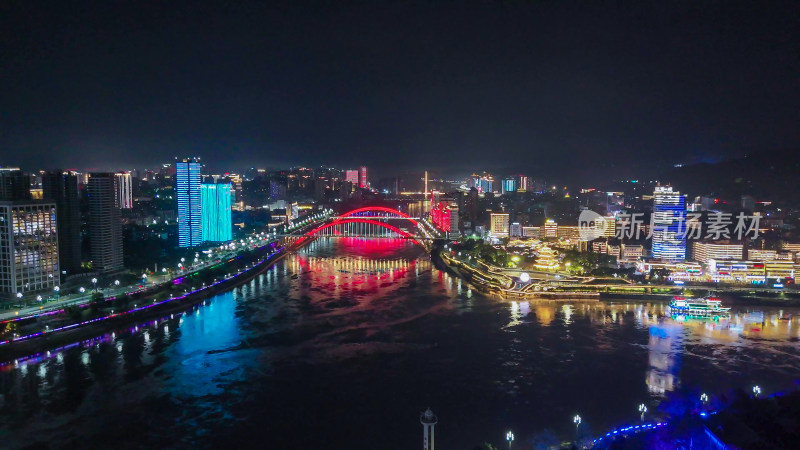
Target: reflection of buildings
664,347
545,313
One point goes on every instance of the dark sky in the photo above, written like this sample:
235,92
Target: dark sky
396,85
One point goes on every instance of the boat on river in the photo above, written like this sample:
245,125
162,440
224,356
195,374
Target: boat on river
698,307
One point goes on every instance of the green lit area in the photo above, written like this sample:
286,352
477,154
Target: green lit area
215,204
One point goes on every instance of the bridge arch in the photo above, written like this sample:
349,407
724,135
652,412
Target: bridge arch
358,220
383,209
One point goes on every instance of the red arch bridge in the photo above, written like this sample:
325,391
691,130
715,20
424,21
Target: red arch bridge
369,222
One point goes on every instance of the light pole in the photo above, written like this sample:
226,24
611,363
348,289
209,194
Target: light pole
509,438
577,421
642,409
56,290
82,290
116,283
756,391
94,282
704,398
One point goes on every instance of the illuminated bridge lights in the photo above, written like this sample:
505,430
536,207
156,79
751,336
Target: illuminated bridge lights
374,211
375,223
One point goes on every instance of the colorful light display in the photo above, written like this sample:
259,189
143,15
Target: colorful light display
215,201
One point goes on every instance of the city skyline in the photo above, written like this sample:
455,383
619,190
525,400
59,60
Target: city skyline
312,224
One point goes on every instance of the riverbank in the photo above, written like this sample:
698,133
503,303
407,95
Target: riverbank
75,325
499,284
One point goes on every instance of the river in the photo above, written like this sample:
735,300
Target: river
343,344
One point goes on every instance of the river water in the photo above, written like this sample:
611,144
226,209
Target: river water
343,344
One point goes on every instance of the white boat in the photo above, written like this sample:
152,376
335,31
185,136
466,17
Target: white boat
701,307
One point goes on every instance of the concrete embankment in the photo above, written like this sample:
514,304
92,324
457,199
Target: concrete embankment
92,327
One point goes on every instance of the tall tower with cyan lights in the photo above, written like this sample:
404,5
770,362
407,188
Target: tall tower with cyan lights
428,420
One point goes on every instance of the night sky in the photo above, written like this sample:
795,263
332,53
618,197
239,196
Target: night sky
409,85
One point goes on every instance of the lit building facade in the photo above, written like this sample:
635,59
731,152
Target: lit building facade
28,247
105,223
631,253
509,185
455,226
669,210
483,183
351,176
755,254
363,182
441,215
215,201
498,224
704,251
124,190
187,192
550,228
522,183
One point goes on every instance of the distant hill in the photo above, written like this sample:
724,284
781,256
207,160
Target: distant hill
767,176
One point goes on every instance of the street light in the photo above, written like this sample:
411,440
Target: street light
82,290
577,421
704,398
756,391
39,298
94,282
509,438
19,294
642,409
116,282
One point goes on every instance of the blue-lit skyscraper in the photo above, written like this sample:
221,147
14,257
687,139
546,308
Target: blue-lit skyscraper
509,185
669,212
216,207
187,191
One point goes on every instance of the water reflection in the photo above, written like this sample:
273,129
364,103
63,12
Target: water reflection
344,343
664,358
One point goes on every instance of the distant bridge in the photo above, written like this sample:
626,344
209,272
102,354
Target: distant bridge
372,222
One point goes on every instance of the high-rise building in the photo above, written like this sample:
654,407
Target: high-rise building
28,247
105,223
498,224
124,190
455,226
215,200
669,211
14,184
62,188
351,176
277,189
522,183
363,178
187,191
509,185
